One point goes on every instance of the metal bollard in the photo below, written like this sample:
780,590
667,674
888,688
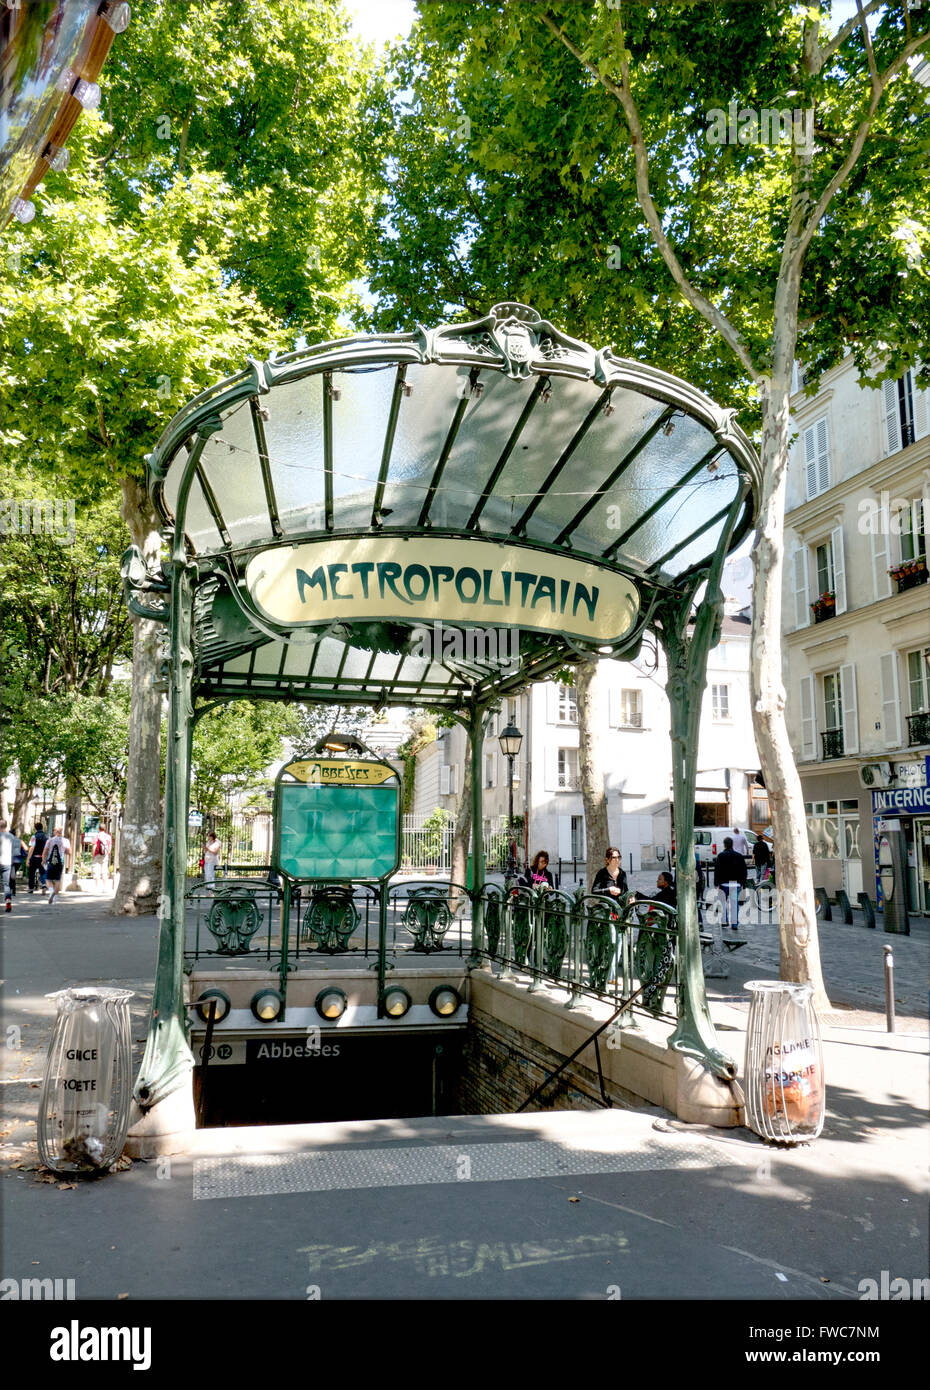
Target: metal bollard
889,988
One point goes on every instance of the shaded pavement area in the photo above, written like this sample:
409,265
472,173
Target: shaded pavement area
600,1205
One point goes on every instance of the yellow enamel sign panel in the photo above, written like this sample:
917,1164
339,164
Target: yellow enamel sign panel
352,774
423,579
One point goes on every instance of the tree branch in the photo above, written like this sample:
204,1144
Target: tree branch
839,178
842,34
869,50
623,93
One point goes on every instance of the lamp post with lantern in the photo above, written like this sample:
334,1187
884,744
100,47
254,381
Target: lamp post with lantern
510,740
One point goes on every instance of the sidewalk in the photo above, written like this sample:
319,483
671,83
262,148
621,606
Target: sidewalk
567,1205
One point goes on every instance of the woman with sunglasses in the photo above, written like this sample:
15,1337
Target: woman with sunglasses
611,880
538,874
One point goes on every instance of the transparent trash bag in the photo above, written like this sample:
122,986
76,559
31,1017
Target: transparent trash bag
84,1104
784,1084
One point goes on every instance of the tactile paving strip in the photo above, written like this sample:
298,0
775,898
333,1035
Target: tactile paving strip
267,1175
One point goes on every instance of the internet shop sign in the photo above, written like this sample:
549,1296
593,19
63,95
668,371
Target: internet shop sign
456,581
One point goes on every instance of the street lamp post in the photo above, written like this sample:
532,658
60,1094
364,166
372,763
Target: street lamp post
510,741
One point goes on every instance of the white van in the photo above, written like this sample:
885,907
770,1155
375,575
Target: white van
708,840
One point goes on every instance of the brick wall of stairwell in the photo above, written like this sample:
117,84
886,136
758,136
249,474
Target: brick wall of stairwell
501,1067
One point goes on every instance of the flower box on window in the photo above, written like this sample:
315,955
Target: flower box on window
909,573
824,607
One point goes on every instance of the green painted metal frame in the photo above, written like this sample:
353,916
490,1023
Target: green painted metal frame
666,607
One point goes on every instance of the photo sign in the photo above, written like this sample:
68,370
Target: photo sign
423,579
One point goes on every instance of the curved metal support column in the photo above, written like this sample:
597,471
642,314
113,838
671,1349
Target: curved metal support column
168,1062
476,722
687,656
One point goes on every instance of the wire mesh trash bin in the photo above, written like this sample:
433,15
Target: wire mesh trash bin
784,1085
86,1091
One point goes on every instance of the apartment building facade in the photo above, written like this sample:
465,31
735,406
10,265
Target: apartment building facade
856,625
636,755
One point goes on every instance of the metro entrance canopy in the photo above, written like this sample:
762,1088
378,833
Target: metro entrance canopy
327,510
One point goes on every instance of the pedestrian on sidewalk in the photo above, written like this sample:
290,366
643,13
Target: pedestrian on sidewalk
730,871
762,858
36,846
19,855
740,843
7,842
57,851
100,860
211,856
611,880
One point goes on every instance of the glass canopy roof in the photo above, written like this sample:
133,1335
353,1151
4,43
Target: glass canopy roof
600,473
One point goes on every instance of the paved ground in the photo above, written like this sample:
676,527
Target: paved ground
604,1206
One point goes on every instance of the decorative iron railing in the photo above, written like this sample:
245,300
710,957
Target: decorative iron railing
909,574
246,916
832,743
918,728
587,943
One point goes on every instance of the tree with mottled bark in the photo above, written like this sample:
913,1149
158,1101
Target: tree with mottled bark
590,699
621,168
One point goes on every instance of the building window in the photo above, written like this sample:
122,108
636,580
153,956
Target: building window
824,555
489,769
832,715
817,457
512,711
720,697
568,707
918,680
913,532
832,701
568,769
631,709
578,837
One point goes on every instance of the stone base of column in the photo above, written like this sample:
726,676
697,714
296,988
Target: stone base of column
703,1098
166,1128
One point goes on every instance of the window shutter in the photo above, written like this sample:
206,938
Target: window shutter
891,702
823,455
850,709
802,612
552,704
921,413
892,417
808,719
810,461
445,781
878,539
839,568
551,767
565,837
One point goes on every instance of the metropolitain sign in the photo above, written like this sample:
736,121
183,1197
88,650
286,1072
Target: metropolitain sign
456,581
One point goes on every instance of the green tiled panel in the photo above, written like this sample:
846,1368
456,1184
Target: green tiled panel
338,832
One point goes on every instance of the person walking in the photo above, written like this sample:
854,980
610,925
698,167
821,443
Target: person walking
730,868
34,864
211,857
7,842
100,860
55,856
740,843
762,859
19,855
